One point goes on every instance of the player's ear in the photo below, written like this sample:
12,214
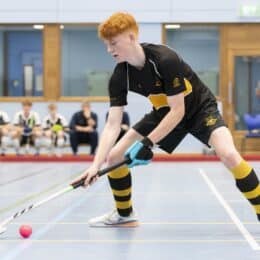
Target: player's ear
132,36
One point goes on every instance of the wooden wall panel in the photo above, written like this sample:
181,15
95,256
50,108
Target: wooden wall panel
52,60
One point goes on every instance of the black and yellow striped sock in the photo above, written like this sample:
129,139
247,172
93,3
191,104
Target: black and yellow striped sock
120,183
248,183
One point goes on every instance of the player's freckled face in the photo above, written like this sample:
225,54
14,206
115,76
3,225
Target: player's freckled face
119,47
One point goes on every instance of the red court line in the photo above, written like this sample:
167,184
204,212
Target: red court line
89,158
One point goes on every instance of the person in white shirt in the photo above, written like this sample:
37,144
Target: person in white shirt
54,127
4,131
26,128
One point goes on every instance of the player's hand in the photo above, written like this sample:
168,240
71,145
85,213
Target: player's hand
79,128
88,129
91,122
140,152
90,176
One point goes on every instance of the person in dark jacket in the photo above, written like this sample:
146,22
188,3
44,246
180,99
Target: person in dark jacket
83,129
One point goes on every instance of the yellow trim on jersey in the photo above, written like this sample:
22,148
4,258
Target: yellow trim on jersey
188,88
158,100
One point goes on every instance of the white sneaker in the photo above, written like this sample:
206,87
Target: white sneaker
114,219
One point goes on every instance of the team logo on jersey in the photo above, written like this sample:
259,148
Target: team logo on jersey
158,83
210,120
176,82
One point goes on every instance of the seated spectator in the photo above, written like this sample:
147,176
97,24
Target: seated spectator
54,127
125,124
26,129
4,131
83,127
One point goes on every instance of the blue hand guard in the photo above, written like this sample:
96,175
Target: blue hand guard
139,153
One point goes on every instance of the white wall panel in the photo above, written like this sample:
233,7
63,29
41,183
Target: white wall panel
113,5
205,4
16,5
145,10
28,11
28,17
206,16
96,11
96,17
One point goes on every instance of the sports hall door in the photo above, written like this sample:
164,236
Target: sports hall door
240,80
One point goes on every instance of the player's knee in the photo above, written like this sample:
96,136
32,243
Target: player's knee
48,133
60,134
5,131
16,133
230,158
37,133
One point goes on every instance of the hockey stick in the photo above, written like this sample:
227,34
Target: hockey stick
57,194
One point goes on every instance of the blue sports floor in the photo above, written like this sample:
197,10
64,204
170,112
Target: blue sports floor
187,210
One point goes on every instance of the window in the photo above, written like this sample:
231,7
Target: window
199,47
21,61
86,66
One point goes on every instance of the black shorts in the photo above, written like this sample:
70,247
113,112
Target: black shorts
201,125
26,140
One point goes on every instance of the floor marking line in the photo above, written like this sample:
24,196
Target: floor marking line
32,174
120,241
249,238
141,223
37,194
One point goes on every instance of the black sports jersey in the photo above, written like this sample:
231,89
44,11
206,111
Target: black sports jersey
164,74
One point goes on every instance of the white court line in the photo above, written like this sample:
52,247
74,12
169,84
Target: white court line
141,223
250,239
122,241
